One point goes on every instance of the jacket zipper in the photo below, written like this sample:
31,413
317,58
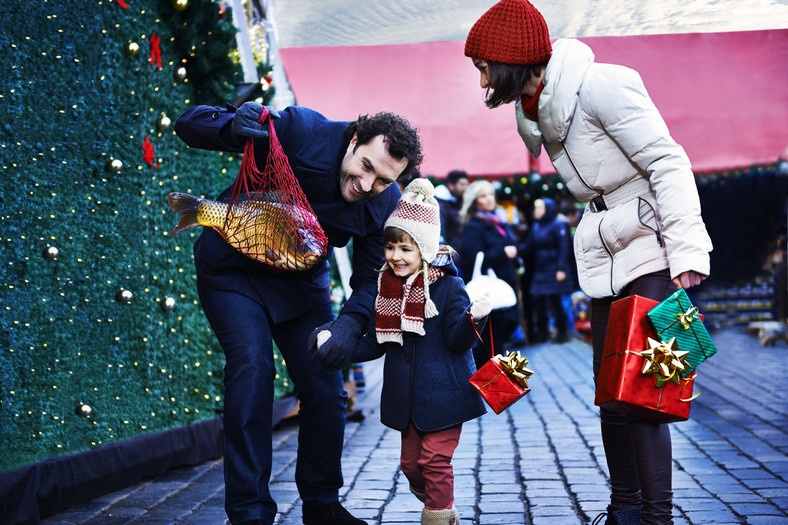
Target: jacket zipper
609,254
577,172
656,232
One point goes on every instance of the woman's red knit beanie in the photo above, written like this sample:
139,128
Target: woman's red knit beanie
511,32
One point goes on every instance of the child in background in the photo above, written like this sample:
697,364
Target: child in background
425,325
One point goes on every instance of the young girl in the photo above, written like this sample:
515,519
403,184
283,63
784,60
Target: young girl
424,324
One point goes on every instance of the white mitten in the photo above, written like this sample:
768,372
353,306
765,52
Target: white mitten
481,306
322,337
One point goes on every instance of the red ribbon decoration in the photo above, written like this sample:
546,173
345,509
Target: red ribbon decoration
147,148
123,4
155,51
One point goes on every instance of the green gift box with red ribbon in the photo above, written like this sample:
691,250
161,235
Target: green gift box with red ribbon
676,317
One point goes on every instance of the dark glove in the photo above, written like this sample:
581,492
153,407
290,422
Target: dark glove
337,352
245,121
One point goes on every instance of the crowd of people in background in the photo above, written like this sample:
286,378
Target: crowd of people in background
527,243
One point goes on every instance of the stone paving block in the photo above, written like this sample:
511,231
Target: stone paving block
702,517
765,483
500,488
401,517
500,519
756,509
767,520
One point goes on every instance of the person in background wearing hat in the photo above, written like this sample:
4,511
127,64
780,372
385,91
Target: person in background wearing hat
425,325
449,197
484,231
641,232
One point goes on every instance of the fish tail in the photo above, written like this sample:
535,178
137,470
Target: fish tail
187,206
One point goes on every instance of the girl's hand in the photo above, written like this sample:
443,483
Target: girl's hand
688,279
560,276
510,251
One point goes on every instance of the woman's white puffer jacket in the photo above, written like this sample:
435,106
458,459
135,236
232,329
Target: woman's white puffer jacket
605,137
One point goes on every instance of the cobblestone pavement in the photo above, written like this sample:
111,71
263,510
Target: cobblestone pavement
541,461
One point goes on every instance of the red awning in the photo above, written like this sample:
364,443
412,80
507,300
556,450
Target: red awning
723,96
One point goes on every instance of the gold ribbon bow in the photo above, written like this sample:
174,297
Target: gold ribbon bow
664,360
516,366
687,317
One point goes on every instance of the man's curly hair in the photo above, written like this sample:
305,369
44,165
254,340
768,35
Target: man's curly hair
401,139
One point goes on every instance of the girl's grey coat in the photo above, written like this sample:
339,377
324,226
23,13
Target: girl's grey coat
426,379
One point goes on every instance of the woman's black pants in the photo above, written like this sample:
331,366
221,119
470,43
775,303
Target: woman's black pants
638,452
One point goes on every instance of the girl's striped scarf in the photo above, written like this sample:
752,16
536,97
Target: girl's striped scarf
403,303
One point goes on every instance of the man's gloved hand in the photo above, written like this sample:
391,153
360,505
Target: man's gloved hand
481,306
245,121
336,350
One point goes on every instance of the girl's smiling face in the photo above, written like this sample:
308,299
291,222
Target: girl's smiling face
403,257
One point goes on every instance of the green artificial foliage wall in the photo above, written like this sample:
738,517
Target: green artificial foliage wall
101,334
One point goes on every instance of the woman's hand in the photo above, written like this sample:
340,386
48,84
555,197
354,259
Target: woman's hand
688,279
560,276
510,251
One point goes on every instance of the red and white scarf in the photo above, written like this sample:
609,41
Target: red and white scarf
403,303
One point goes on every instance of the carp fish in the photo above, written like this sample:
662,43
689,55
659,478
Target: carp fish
265,230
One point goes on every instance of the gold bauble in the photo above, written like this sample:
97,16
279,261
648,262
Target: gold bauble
132,48
180,5
50,252
115,165
164,122
124,296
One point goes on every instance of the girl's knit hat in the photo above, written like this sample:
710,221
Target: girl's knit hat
417,214
511,32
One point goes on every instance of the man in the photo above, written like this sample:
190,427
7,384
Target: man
449,196
347,170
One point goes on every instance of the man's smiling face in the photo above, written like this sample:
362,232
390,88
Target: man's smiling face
368,169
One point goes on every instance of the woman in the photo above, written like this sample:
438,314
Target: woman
484,231
548,244
641,232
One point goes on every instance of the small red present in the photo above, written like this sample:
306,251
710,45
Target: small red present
640,375
502,380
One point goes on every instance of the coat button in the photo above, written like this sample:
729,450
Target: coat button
407,359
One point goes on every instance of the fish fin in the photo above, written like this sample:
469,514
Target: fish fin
187,206
188,220
183,202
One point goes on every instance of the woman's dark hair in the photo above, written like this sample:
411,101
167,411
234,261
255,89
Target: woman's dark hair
402,140
507,80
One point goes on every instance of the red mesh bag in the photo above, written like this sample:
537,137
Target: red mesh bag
268,217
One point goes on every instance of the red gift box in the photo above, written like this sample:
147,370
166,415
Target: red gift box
496,386
621,385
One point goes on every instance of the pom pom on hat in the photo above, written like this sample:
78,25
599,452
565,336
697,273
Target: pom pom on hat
417,214
510,32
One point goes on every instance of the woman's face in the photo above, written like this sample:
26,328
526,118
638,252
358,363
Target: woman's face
484,72
538,209
485,201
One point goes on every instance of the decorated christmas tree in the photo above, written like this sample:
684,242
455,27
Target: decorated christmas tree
102,337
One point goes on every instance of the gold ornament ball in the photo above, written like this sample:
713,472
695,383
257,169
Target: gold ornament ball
124,296
50,252
115,165
168,304
132,48
180,5
164,122
84,410
180,73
